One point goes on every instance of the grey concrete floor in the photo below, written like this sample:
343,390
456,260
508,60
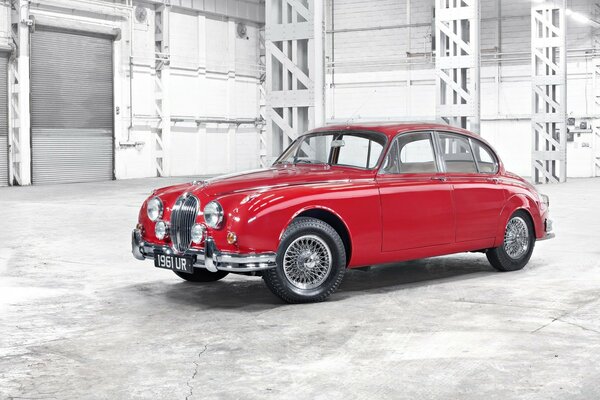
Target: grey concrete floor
80,318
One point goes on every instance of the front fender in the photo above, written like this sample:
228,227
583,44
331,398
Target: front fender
259,219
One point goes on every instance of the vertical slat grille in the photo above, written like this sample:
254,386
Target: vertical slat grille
183,217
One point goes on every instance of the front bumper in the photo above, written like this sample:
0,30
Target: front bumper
210,257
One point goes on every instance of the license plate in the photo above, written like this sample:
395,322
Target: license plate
179,264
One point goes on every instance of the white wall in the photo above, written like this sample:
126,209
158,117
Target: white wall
379,73
213,75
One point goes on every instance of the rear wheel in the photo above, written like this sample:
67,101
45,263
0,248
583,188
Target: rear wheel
519,240
202,275
311,261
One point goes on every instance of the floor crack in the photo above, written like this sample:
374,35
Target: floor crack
560,317
189,382
579,326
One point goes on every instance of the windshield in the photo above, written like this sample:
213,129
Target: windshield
352,149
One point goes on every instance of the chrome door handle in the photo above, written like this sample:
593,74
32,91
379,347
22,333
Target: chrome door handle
439,178
493,180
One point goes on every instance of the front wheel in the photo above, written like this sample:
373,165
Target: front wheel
516,250
311,261
202,275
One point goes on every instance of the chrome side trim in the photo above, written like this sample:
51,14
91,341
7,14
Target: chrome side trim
210,257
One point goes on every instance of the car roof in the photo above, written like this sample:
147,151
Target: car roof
391,129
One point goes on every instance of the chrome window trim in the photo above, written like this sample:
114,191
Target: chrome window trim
461,135
491,153
403,134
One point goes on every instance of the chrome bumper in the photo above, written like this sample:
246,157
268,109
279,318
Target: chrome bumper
210,257
548,226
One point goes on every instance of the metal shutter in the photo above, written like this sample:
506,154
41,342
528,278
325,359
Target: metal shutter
71,107
3,120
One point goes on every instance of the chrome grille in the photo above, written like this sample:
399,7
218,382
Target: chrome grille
183,217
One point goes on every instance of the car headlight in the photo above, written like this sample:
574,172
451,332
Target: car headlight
198,231
213,214
161,230
545,199
154,209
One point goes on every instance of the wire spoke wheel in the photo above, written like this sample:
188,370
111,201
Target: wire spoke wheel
307,262
516,238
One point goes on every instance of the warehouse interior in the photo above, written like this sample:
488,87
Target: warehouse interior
102,101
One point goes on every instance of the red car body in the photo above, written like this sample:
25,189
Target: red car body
382,218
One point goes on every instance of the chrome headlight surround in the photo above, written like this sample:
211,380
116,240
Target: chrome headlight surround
213,215
161,230
154,209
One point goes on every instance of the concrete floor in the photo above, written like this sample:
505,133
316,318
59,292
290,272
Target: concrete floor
80,318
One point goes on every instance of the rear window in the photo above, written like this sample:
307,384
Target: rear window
486,160
456,154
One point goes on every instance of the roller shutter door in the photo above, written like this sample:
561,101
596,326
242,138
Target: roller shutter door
3,119
71,107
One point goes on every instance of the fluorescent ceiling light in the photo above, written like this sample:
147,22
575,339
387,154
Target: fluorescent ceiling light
577,16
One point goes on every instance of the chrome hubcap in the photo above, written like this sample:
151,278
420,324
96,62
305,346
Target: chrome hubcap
307,262
516,238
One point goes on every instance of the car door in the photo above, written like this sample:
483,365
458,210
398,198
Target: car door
471,168
416,201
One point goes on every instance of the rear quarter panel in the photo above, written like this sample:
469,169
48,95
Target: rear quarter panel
520,196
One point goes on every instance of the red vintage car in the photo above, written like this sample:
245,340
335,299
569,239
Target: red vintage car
344,197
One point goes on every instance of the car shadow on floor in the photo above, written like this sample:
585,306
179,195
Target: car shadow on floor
251,291
408,274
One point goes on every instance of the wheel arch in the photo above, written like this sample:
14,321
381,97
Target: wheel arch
517,202
331,218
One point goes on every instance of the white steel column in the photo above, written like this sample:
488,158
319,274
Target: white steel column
596,120
549,93
457,62
161,86
294,70
262,102
19,110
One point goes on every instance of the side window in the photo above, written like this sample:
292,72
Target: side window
456,154
411,154
486,161
358,151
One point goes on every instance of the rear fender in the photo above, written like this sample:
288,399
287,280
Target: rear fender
513,204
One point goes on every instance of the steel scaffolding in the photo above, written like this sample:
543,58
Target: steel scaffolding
294,70
596,120
262,101
161,86
19,131
549,93
457,62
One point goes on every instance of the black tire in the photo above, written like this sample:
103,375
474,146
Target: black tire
202,275
304,228
500,258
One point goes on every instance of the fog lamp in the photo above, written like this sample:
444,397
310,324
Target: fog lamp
161,230
198,232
